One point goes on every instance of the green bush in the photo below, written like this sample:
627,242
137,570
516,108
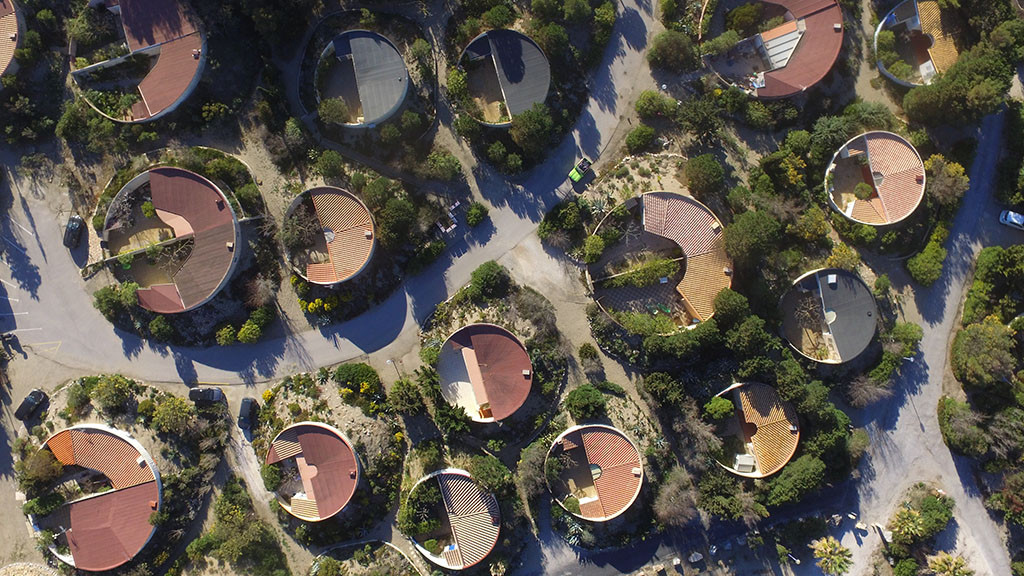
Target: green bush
719,408
44,505
959,428
585,402
640,139
926,267
148,210
443,165
334,111
355,375
651,104
704,176
227,335
489,280
593,248
160,329
476,214
646,274
673,51
271,475
330,165
983,355
250,332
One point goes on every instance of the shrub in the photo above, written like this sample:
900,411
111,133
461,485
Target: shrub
959,427
721,44
161,330
983,355
797,479
173,415
719,408
44,505
443,165
926,267
532,130
652,103
271,475
500,16
396,221
673,51
355,375
640,139
593,248
334,111
148,210
227,335
476,213
704,176
585,402
113,393
330,165
489,280
250,332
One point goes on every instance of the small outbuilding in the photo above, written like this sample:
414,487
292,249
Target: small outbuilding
507,73
829,315
319,470
370,76
595,472
486,370
876,178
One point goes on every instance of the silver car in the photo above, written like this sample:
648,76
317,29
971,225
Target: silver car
1012,219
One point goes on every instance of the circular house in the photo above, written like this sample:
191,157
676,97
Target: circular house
10,36
766,427
789,58
339,235
507,73
594,472
486,370
876,178
915,41
165,60
120,489
829,315
177,235
366,71
459,522
318,467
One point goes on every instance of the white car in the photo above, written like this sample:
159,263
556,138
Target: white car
1012,219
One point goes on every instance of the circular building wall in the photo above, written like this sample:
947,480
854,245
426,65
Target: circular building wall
338,235
486,370
463,521
506,73
367,73
318,468
829,315
876,178
598,472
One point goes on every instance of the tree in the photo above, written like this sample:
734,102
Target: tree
676,502
585,402
700,117
173,415
960,428
301,229
673,51
722,43
745,19
39,470
491,475
476,213
405,397
227,335
500,16
1010,500
443,165
112,393
531,130
250,332
593,248
640,138
983,355
811,226
828,135
577,10
333,111
330,165
395,222
926,266
489,280
704,176
730,308
421,50
451,420
552,38
355,376
947,181
798,478
907,526
843,257
833,558
945,564
751,236
973,86
719,408
651,104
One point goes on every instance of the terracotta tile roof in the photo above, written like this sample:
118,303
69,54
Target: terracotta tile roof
618,464
941,26
779,31
705,277
329,467
902,185
774,443
106,453
474,517
110,529
151,22
354,235
814,55
60,445
8,28
495,361
698,232
200,210
170,77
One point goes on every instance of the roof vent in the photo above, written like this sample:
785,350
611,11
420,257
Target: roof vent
838,26
637,471
832,279
230,245
14,36
368,234
196,53
920,178
152,504
716,225
352,473
727,271
526,373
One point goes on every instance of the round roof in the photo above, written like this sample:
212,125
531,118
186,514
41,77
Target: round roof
106,530
195,208
768,424
375,80
328,470
349,235
507,74
829,315
598,466
888,172
9,26
486,370
474,519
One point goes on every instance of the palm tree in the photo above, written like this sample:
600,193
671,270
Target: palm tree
834,559
945,564
907,525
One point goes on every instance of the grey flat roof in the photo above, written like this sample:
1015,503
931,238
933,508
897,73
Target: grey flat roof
855,308
523,71
381,77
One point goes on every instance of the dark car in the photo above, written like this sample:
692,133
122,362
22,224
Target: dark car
73,231
30,404
247,413
205,395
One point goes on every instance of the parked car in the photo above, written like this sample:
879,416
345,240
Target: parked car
205,395
580,170
247,413
30,404
73,231
1012,219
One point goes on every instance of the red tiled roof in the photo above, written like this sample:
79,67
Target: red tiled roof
102,451
617,457
902,186
151,22
207,217
172,74
8,27
330,465
814,55
474,517
500,361
774,441
6,7
354,235
110,529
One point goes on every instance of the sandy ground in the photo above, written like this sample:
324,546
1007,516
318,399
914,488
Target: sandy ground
486,92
